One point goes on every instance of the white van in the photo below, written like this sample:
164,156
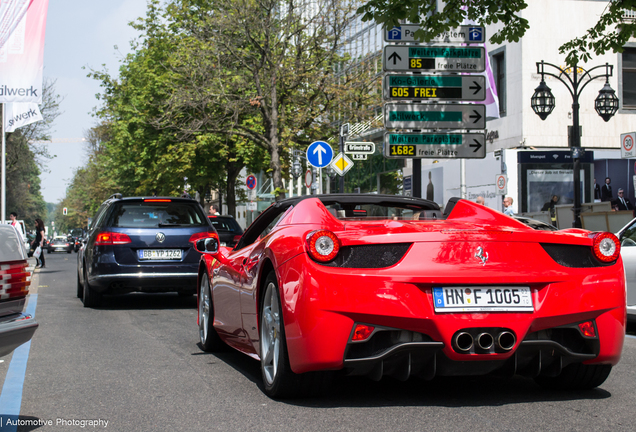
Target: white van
21,227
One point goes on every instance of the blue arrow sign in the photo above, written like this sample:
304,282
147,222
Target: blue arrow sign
319,154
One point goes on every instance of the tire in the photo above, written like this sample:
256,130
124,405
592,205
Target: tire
69,251
279,381
48,251
80,288
576,377
210,340
91,298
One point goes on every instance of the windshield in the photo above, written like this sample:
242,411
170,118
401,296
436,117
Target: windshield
154,215
379,211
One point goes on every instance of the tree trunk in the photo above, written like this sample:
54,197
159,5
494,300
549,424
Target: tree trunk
233,170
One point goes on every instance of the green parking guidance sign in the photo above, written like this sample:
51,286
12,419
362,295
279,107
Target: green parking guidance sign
435,87
434,116
451,145
403,58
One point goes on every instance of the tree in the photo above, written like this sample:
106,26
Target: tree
611,32
270,72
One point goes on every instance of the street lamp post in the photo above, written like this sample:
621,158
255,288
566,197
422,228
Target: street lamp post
606,105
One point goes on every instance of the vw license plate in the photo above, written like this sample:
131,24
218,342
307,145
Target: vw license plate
159,254
483,299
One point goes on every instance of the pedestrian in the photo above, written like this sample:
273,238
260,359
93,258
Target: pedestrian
597,192
606,190
550,206
480,200
508,206
14,218
214,210
622,202
39,241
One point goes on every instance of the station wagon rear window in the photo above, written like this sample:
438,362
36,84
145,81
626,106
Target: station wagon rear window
156,215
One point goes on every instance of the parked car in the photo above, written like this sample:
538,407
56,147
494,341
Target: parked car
627,237
141,244
387,285
228,229
60,244
21,227
16,327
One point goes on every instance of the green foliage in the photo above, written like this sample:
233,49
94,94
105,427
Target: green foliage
23,181
610,33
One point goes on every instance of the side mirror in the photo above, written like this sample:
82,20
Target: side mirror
207,245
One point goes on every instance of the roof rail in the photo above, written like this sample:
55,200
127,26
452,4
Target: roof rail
115,196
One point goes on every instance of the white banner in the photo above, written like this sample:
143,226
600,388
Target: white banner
22,50
11,15
20,114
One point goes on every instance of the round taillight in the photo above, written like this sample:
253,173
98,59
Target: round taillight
606,247
323,245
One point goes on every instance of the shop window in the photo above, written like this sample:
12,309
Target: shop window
498,65
628,71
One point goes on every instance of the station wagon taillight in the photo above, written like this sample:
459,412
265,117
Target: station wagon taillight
111,238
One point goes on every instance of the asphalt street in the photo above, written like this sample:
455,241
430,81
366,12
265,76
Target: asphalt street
135,365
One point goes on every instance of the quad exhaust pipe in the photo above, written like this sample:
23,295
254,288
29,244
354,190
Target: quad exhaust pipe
464,341
506,340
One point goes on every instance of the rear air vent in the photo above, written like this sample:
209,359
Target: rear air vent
370,256
573,255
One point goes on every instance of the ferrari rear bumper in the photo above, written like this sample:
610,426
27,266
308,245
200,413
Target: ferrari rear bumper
321,306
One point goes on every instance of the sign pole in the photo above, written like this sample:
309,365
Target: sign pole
3,210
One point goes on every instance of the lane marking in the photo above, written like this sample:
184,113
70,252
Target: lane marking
11,396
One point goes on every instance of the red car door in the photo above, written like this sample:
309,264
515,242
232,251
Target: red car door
226,285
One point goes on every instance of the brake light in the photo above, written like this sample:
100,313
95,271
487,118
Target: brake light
111,238
198,236
157,200
606,246
362,332
15,280
323,245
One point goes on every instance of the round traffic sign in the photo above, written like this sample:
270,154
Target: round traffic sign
250,181
628,142
309,178
319,154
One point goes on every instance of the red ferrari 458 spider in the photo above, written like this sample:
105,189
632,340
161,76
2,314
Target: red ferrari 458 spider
388,285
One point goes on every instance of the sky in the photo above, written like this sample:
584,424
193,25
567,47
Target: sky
81,33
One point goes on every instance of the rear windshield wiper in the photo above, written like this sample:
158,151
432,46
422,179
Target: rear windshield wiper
169,225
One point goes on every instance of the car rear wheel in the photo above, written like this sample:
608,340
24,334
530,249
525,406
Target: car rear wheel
210,340
576,377
91,298
278,378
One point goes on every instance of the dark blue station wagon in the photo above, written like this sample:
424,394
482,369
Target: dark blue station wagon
141,245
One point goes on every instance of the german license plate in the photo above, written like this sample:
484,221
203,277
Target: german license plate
482,299
159,254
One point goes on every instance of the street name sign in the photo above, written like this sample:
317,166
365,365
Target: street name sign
359,147
462,34
422,58
434,116
448,145
435,87
358,156
319,154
